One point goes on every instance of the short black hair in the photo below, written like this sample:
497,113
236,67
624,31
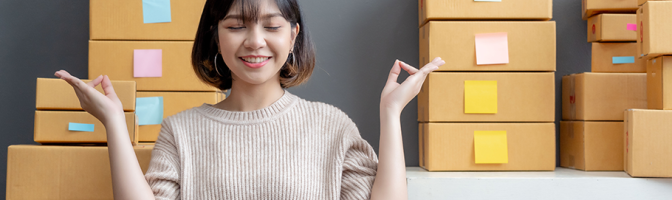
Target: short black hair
296,70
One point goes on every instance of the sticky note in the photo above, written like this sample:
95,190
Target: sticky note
632,27
490,147
147,62
480,97
490,0
492,48
80,127
156,11
622,59
149,110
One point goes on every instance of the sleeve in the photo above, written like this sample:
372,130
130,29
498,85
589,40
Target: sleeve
163,173
359,166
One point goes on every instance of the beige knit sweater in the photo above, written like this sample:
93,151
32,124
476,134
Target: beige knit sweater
293,149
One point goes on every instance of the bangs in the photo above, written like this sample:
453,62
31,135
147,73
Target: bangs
249,10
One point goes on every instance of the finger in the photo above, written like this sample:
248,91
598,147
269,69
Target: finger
410,69
93,83
435,63
73,81
107,87
394,72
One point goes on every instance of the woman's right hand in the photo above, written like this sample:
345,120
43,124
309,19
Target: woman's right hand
104,107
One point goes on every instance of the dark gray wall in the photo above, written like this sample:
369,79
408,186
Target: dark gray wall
357,42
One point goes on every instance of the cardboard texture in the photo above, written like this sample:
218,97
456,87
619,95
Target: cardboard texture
521,97
173,103
429,10
591,146
52,127
612,28
63,172
123,20
602,59
115,59
602,96
531,45
450,146
653,20
593,7
648,143
659,83
57,94
640,2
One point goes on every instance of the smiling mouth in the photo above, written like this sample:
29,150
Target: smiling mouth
254,59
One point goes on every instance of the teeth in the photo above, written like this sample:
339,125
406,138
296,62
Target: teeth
255,59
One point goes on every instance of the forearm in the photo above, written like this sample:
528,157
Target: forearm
128,181
390,180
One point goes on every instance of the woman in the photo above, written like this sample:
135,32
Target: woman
261,142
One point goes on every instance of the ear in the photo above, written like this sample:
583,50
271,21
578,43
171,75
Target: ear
295,32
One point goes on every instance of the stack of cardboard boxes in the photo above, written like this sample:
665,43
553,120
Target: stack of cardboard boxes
648,138
491,106
611,130
146,43
593,103
150,43
72,162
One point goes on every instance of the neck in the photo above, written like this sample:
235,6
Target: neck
249,97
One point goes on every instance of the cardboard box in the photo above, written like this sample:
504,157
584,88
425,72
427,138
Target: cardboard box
593,7
450,146
123,20
63,172
616,57
115,59
602,96
52,127
591,145
648,143
640,2
531,45
429,10
173,103
654,28
611,28
521,97
57,94
659,83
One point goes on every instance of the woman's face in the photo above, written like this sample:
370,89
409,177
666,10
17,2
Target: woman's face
256,51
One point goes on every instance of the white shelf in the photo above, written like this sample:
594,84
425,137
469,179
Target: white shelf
547,185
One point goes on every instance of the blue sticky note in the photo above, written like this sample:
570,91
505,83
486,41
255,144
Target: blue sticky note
149,110
622,59
156,11
80,127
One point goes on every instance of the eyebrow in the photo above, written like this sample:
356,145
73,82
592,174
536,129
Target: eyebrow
240,17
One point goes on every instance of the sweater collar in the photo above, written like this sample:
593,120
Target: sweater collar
250,117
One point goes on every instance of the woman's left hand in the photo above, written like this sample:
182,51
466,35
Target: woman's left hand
395,96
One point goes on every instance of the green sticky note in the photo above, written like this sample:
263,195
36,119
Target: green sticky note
480,97
490,147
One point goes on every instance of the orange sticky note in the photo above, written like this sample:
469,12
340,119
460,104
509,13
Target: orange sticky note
492,48
490,147
480,97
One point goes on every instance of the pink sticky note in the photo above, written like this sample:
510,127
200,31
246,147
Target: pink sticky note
492,48
632,27
147,62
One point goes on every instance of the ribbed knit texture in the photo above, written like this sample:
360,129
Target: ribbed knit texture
293,149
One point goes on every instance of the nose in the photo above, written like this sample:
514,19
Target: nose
255,39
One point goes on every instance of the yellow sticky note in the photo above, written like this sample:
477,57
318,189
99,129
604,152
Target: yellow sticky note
480,97
490,147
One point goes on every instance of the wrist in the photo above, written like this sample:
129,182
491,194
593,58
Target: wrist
113,120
